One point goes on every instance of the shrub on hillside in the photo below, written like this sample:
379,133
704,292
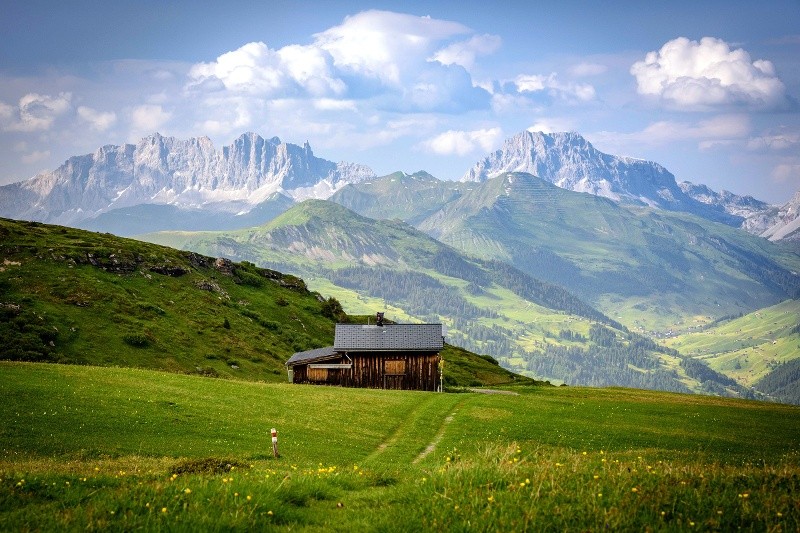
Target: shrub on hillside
137,340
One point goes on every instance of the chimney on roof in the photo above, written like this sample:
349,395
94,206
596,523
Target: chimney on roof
379,319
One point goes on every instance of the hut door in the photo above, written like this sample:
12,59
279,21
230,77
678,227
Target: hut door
394,374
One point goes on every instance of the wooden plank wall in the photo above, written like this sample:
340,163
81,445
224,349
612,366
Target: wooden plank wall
378,371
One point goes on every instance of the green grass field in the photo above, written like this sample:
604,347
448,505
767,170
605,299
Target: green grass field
86,448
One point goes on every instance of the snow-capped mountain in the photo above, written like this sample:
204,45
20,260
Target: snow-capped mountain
786,222
757,216
571,162
184,173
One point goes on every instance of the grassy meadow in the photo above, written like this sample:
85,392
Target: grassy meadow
89,448
747,348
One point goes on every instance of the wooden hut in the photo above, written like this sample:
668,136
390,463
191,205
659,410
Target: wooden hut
392,356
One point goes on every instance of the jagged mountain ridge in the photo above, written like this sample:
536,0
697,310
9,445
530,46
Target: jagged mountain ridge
185,173
774,222
121,188
571,162
785,222
757,216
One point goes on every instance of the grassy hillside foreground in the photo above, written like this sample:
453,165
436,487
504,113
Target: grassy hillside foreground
88,448
73,296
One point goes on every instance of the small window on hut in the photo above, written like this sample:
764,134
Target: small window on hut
395,367
317,374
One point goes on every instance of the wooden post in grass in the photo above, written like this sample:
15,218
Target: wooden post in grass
275,443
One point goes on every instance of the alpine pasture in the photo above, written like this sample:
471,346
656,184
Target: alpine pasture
87,448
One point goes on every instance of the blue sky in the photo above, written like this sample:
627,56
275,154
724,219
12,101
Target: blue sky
708,89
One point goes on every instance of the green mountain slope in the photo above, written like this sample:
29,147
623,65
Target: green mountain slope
652,270
73,296
412,198
489,306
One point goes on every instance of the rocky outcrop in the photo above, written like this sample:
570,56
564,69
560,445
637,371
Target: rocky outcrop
785,222
184,173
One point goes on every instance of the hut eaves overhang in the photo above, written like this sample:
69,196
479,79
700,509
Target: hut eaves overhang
310,356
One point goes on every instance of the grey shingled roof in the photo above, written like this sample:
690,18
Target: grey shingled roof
312,355
391,337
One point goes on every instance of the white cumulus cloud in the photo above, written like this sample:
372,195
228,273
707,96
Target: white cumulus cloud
464,53
252,68
97,120
148,118
532,83
384,45
691,74
786,172
374,60
36,112
455,142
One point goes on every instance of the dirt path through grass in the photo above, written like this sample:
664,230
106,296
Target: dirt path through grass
435,442
424,424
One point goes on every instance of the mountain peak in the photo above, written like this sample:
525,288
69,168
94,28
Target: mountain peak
570,161
183,173
552,156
